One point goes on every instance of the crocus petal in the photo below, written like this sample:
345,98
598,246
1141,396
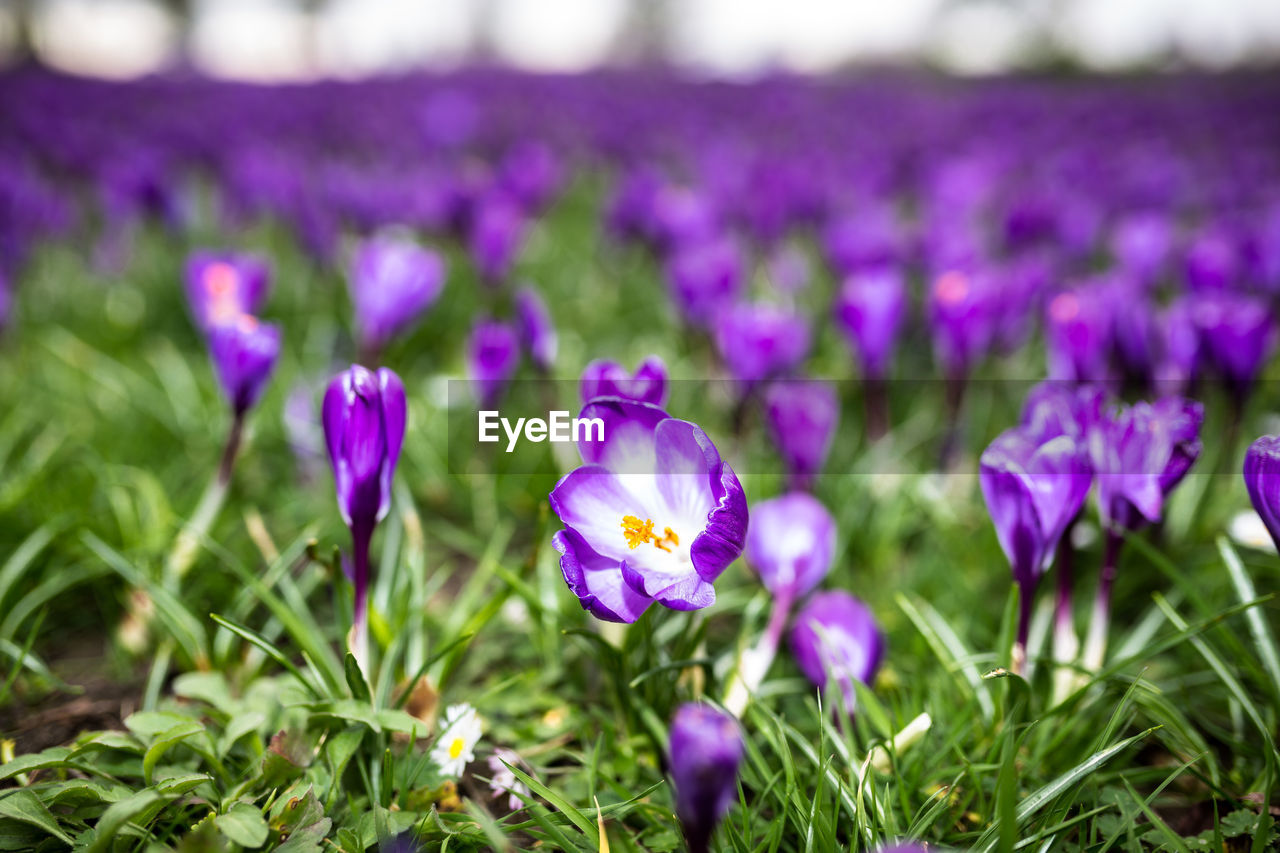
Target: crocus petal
394,416
628,435
726,533
596,580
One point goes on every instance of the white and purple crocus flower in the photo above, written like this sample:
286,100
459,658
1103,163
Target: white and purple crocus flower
653,514
364,417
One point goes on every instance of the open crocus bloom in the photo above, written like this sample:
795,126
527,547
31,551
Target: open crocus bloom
603,378
792,543
653,514
835,637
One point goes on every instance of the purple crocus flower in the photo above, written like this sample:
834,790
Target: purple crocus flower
788,269
222,286
1139,454
705,277
1237,335
537,332
1212,261
1078,334
703,756
653,514
497,233
244,354
1179,345
603,378
392,282
962,318
1033,491
493,354
364,415
835,637
871,307
802,417
791,544
1262,479
758,340
1052,409
1141,244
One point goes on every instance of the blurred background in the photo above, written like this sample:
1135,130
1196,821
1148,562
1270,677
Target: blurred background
299,39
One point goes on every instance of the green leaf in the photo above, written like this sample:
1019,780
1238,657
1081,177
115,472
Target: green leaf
183,783
164,742
118,815
272,652
244,825
1262,636
355,679
48,760
585,824
23,805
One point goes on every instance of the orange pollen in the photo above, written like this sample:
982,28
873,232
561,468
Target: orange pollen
639,532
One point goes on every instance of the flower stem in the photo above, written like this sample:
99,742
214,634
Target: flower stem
361,535
754,663
1066,645
1018,660
1095,645
187,543
875,400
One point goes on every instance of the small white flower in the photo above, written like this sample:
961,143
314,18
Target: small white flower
459,734
504,781
1248,529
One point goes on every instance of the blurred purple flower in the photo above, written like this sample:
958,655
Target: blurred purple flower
1237,335
493,354
758,340
653,514
1078,334
497,234
1141,245
221,286
703,278
870,308
392,282
244,354
962,317
802,417
788,269
791,544
703,756
835,637
609,379
1212,261
537,331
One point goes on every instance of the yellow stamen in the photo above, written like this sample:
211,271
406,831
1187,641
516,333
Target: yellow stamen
455,748
639,532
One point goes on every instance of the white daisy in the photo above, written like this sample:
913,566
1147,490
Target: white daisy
455,746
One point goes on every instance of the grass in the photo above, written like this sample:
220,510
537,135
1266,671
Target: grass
252,730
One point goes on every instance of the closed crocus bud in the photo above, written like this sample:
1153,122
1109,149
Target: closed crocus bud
1212,261
871,307
364,416
1141,245
221,286
791,543
493,354
962,317
802,416
537,332
1237,336
1178,363
244,354
835,638
1078,334
1033,490
392,281
497,234
364,420
1056,408
703,756
1262,479
703,278
603,378
758,341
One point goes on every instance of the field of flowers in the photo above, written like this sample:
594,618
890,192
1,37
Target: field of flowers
928,507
